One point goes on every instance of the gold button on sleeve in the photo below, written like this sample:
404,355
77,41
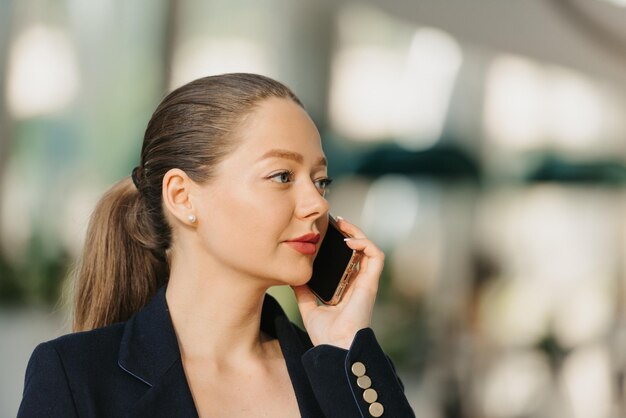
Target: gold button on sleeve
358,369
370,395
376,409
364,382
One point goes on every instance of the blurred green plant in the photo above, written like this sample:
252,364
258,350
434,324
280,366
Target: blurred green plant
37,280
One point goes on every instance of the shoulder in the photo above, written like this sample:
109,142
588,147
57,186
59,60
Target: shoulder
79,352
69,364
97,341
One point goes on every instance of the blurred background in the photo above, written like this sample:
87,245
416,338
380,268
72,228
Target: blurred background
481,144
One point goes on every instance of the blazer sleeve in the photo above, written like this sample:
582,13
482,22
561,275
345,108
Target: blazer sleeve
46,388
359,382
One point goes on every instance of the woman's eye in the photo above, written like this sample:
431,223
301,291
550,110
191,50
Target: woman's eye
322,184
282,177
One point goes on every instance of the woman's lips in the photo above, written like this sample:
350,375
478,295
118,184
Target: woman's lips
307,248
306,244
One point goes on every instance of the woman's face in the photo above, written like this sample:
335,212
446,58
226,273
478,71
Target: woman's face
266,194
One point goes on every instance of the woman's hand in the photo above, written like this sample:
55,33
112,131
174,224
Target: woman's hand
337,325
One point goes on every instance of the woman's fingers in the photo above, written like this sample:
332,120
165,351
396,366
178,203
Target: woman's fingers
349,228
366,246
373,259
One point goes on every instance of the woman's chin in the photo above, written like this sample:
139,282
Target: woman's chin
302,277
302,281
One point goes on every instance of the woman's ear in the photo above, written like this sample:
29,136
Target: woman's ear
176,196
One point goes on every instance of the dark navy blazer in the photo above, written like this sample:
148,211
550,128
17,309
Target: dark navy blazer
134,369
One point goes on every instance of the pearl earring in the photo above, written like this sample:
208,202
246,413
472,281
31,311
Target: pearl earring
192,218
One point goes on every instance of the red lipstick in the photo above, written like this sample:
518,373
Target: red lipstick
306,244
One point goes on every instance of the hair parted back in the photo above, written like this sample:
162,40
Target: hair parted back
124,258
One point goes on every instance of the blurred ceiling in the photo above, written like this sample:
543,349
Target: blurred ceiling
588,35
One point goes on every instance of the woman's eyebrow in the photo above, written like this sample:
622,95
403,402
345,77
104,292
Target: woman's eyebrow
289,155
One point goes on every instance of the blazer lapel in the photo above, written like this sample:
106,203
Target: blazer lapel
149,352
170,397
293,343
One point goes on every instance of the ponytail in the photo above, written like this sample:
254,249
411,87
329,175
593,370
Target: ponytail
123,261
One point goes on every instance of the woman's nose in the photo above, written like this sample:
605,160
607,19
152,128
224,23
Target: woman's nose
311,203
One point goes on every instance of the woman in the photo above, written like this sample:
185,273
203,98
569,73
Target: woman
170,294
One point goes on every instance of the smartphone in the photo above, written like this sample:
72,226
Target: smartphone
334,265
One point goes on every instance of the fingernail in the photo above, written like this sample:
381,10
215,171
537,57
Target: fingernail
340,218
347,239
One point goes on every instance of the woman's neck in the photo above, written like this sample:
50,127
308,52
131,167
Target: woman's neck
217,318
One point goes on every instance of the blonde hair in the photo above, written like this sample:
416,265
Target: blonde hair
124,258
